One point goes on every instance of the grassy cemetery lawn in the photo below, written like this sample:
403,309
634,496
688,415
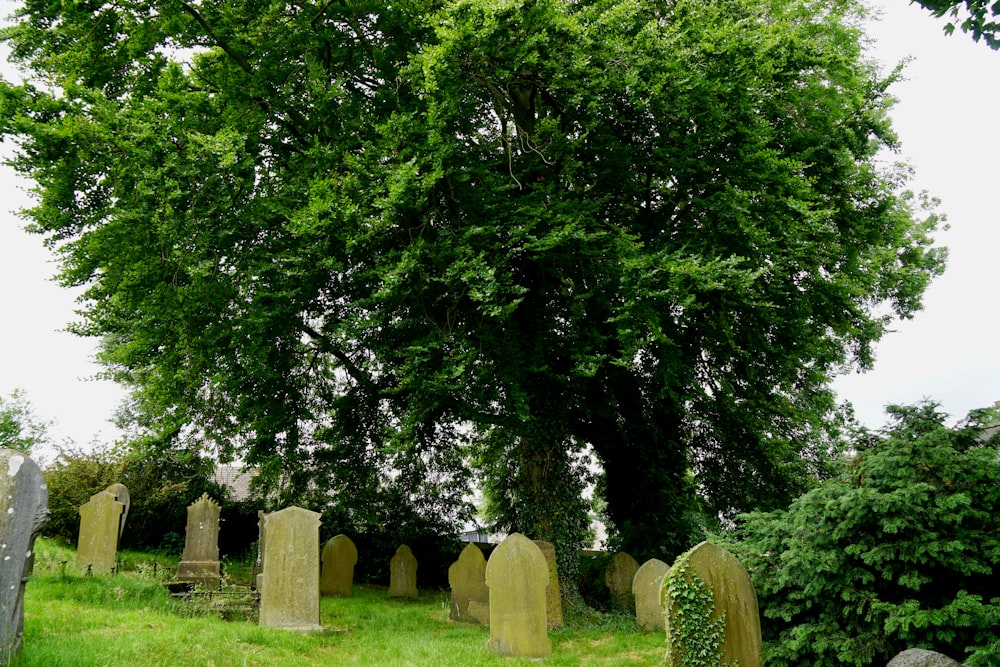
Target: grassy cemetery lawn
131,619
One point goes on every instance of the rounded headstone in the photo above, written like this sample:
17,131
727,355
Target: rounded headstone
336,577
518,575
646,589
403,574
470,598
734,599
919,657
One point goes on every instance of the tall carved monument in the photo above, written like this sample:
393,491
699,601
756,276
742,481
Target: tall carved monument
200,560
24,509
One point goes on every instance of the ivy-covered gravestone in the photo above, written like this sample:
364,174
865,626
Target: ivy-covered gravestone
711,611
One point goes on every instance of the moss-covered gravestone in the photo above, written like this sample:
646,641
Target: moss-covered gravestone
553,599
646,588
24,503
618,578
470,598
711,606
517,575
403,574
200,560
336,578
289,597
97,548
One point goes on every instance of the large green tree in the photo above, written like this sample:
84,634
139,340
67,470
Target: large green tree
366,245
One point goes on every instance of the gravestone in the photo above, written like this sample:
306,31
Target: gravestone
121,494
919,657
618,578
97,548
259,579
289,598
733,596
553,599
336,577
470,598
403,574
24,502
646,588
200,560
517,575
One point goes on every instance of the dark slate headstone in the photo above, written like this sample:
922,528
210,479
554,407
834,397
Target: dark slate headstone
24,509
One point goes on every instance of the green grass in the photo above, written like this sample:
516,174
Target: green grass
130,619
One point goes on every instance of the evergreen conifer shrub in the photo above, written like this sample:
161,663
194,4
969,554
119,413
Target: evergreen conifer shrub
900,550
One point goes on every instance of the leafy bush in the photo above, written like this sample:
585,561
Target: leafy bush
900,550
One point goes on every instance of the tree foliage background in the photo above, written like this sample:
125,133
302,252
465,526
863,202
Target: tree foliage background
20,426
899,550
376,249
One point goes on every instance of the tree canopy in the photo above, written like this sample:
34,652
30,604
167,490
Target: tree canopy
975,17
20,426
370,246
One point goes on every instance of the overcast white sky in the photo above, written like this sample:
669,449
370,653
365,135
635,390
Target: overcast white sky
946,118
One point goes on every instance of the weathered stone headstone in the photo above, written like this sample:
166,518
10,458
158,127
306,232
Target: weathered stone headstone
24,502
470,598
289,598
553,599
97,549
121,494
259,579
517,575
200,560
618,578
919,657
403,574
646,588
336,577
734,598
